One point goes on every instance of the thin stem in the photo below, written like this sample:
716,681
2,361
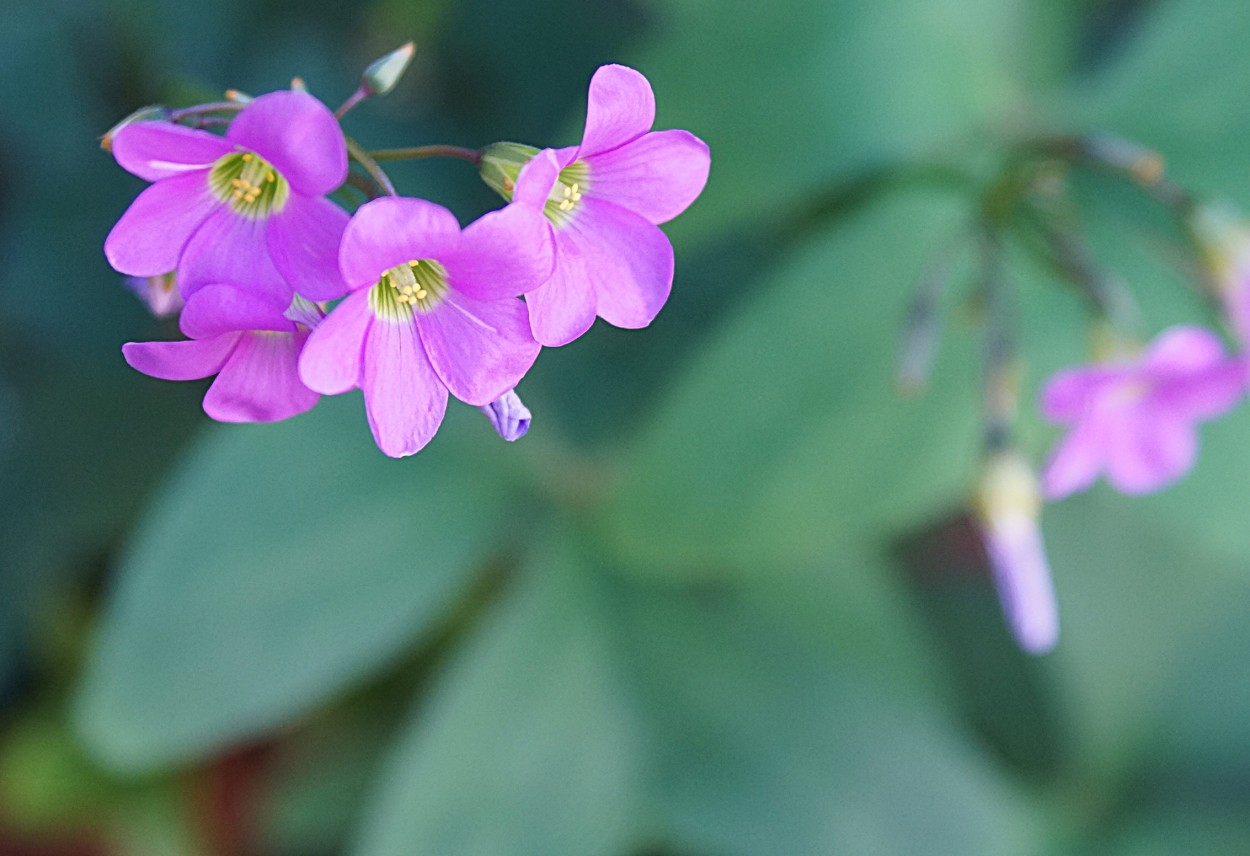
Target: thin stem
473,156
375,172
201,109
355,98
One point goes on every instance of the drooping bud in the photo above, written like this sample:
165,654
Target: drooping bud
1222,233
152,113
383,73
501,163
509,416
1008,506
160,293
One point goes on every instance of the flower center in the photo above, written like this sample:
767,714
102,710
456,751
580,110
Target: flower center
249,184
418,285
566,194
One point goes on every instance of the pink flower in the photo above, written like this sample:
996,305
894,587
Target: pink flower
1138,420
603,201
1008,507
248,208
252,346
432,310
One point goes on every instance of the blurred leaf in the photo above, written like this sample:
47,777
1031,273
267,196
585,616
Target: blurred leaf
281,564
1175,86
790,95
599,715
528,746
787,438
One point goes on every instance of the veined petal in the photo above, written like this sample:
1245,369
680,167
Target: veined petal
620,108
231,248
1147,449
150,237
156,150
627,260
479,348
563,308
332,358
190,359
304,244
216,309
298,135
657,175
503,253
392,231
259,382
404,398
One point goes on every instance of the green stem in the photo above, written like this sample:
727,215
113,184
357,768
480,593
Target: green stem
420,152
367,161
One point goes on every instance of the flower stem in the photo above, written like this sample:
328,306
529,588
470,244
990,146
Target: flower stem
370,165
355,98
419,152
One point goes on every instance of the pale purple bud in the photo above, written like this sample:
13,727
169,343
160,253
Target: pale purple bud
160,293
510,417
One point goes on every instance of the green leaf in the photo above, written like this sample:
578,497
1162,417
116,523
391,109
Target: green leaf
787,437
789,95
527,747
281,564
596,714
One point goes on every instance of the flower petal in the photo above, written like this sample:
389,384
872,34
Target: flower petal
230,248
534,182
1075,463
150,237
620,108
1147,449
298,135
504,253
332,358
388,232
156,150
563,308
259,382
217,309
1069,394
404,398
626,260
657,175
1205,394
304,245
189,359
1183,350
479,348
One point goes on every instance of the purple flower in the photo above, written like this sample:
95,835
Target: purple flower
509,416
250,343
248,208
1008,506
1138,420
432,310
603,201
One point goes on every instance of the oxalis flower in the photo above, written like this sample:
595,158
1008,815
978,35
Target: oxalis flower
432,310
603,201
248,208
250,343
1137,420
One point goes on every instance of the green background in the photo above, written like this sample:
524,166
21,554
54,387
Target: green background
724,599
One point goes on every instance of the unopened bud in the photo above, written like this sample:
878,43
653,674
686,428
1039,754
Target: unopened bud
501,163
509,416
152,113
160,293
383,73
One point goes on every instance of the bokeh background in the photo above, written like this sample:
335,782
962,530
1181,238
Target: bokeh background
725,598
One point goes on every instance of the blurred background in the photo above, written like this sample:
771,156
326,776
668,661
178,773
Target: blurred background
725,599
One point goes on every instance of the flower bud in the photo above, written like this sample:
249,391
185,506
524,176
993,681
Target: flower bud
501,163
160,293
152,113
1222,233
1008,507
509,417
383,73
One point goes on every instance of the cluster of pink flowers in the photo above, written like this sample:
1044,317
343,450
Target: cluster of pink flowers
243,224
